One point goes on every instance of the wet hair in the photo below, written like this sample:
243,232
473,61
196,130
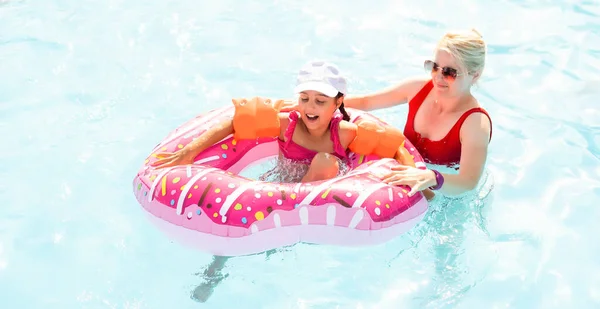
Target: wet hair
467,47
342,109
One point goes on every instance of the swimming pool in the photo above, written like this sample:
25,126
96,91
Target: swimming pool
89,87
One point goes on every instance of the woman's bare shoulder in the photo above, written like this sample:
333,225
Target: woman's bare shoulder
413,85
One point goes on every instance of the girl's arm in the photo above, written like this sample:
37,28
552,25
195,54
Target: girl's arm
347,133
187,154
284,122
213,135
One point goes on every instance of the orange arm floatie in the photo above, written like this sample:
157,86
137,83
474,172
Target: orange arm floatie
256,118
383,141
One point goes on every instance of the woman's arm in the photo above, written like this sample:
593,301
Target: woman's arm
475,138
187,154
395,95
475,134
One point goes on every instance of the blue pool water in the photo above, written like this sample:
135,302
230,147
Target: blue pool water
88,87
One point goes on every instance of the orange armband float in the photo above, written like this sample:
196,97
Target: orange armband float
256,118
372,138
383,141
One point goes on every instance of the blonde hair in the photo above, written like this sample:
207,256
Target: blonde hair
467,47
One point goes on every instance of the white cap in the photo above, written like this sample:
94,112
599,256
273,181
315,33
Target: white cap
321,76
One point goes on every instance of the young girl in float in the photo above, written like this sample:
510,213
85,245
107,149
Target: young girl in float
314,140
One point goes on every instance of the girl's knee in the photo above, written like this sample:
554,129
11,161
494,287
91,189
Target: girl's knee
324,161
323,166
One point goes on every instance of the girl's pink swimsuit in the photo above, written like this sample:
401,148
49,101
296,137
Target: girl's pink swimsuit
293,151
296,159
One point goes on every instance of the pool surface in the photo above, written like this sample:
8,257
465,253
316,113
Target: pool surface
89,87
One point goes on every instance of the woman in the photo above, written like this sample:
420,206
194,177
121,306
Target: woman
445,121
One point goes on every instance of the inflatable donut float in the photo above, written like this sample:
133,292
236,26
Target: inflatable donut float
210,207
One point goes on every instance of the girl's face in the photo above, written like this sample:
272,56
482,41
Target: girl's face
316,109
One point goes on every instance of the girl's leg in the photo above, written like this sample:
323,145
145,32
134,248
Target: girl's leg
323,166
212,277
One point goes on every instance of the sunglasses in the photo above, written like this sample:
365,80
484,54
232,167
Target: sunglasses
447,72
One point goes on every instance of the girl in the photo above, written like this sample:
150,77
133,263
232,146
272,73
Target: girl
313,139
313,142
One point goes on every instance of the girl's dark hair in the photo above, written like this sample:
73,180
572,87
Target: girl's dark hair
342,109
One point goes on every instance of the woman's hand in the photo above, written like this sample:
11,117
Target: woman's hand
417,179
289,106
166,159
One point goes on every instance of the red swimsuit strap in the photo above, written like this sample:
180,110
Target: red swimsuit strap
464,116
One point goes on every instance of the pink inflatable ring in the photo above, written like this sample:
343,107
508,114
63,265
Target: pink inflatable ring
209,206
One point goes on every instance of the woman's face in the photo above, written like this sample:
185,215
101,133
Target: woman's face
316,109
449,79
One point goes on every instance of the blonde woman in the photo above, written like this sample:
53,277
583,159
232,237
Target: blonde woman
445,121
